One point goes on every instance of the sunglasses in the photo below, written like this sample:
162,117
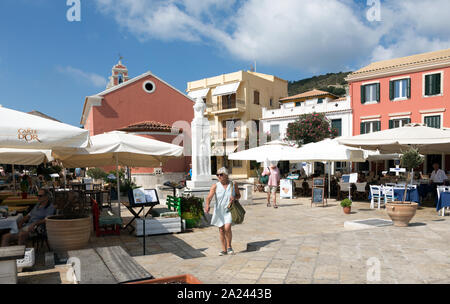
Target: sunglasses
220,174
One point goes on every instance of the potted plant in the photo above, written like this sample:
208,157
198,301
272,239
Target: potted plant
71,228
24,186
346,204
402,212
192,210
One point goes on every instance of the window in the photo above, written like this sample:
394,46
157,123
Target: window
433,84
271,102
370,93
274,132
149,86
230,128
400,89
433,121
120,78
256,97
237,163
398,123
320,100
298,104
337,124
370,127
229,101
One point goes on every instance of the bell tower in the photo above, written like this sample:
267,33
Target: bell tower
119,74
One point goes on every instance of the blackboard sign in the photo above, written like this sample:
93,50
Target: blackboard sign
319,182
317,195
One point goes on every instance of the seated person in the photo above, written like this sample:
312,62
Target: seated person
35,218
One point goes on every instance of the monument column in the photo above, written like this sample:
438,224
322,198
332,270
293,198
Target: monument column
201,149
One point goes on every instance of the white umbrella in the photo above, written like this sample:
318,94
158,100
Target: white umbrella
326,150
119,148
25,131
427,140
272,151
24,157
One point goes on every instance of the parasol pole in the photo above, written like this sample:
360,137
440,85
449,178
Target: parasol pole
118,183
14,179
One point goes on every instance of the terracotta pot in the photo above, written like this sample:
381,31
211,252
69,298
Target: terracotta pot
401,214
347,210
182,279
64,235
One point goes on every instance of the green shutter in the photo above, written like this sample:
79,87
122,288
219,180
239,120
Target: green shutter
378,126
378,92
408,89
391,90
363,94
391,124
427,85
362,129
437,84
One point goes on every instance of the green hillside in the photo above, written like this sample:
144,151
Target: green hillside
332,82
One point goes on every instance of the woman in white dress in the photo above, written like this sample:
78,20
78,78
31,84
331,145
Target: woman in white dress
225,192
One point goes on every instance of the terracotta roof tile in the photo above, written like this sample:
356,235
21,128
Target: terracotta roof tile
405,61
312,93
150,126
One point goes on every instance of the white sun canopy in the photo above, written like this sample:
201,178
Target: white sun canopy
427,140
327,150
25,131
199,93
119,148
26,157
272,151
226,89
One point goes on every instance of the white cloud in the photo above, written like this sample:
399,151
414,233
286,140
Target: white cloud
319,35
92,78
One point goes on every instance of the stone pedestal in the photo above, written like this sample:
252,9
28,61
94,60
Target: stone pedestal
8,272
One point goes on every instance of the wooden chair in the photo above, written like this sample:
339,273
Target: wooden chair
389,195
105,223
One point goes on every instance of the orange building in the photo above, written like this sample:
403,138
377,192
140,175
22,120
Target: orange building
392,93
144,101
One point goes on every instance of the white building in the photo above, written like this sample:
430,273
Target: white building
337,110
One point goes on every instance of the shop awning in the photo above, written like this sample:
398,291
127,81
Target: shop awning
226,89
198,93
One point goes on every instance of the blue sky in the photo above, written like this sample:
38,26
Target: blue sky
49,64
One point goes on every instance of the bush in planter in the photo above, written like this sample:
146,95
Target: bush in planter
411,159
346,203
96,173
192,210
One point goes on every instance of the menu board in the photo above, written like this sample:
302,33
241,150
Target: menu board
317,195
319,182
142,197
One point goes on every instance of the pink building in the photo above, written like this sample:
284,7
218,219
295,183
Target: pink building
392,93
146,98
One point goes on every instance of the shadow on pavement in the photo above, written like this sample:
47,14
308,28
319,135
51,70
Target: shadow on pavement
255,246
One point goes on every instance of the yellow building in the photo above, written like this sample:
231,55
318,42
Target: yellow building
232,102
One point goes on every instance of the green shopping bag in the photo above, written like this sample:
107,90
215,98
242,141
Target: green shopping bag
236,209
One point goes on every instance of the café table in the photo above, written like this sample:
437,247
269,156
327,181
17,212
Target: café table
444,201
11,222
411,195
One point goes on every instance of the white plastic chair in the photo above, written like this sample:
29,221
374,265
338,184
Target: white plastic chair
375,193
388,194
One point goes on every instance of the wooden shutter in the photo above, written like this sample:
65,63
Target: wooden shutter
362,129
408,88
377,126
363,94
391,90
378,92
391,124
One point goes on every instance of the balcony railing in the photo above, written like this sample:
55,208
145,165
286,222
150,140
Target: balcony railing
235,105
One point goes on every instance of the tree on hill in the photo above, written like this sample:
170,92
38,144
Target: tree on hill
332,82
